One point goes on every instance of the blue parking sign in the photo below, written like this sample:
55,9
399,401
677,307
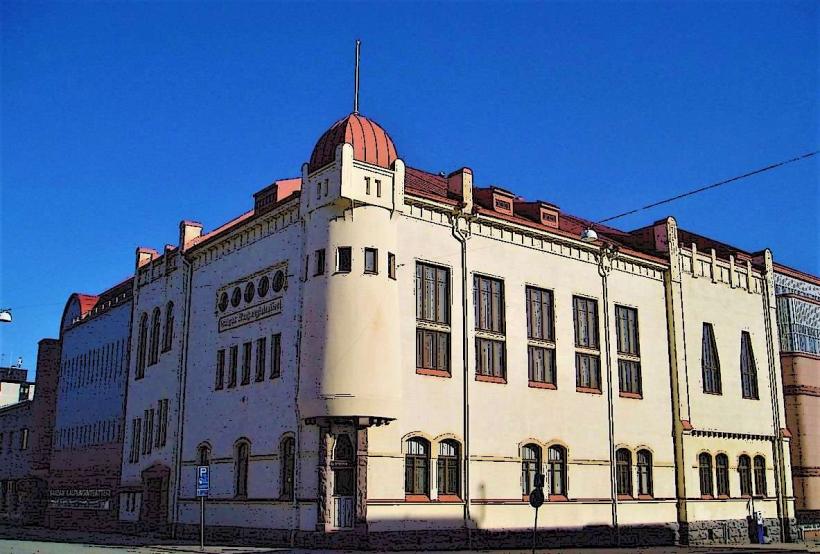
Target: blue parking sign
203,480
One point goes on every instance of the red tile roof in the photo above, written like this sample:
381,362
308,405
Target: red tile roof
370,141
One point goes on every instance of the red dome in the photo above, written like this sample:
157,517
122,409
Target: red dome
371,143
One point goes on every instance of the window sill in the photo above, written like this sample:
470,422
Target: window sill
713,393
370,272
433,372
448,498
624,394
557,498
416,498
588,390
645,497
491,379
625,497
723,496
750,398
707,497
541,385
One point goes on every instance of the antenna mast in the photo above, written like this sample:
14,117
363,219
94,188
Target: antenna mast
356,85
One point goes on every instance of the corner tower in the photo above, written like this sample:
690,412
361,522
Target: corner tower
352,189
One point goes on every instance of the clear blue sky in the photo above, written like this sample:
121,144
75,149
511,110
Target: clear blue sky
120,119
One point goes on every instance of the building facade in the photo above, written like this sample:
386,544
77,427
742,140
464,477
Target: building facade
89,409
379,356
798,309
15,386
15,461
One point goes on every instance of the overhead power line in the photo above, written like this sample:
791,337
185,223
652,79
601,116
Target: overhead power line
712,186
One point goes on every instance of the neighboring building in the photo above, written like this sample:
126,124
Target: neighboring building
380,356
15,386
84,470
15,460
798,314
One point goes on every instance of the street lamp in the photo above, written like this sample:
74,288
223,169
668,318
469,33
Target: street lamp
589,235
5,315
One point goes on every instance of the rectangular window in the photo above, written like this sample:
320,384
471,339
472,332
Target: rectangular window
379,188
489,304
488,296
319,261
585,314
432,318
220,370
234,363
432,350
541,362
276,355
588,371
162,423
24,439
710,361
148,436
540,318
367,185
136,428
490,358
371,260
391,265
246,363
748,369
344,260
587,364
261,358
629,363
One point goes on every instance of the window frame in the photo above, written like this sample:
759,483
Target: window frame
261,358
628,347
744,472
557,466
168,330
415,466
748,368
759,474
344,254
374,253
241,468
433,299
287,453
623,473
586,325
448,471
319,262
707,486
710,369
645,473
531,459
724,487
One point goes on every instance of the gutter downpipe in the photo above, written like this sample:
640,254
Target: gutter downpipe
183,375
607,256
298,432
461,237
777,451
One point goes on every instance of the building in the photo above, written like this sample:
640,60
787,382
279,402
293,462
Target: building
798,311
15,462
15,386
89,409
379,356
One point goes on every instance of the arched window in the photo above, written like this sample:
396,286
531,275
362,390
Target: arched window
344,457
142,337
203,455
417,467
153,351
168,335
623,472
557,469
744,470
644,463
722,473
243,452
448,468
287,452
530,465
705,472
760,476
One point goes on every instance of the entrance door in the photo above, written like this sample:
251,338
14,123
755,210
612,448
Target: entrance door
344,483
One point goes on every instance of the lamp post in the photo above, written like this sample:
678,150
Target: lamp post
5,315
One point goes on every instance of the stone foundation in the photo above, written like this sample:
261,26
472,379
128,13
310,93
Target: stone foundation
439,539
736,531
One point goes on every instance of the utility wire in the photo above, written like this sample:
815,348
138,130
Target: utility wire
712,186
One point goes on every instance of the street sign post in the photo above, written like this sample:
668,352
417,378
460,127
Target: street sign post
203,485
536,501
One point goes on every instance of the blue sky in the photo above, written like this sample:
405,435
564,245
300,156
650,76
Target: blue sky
120,119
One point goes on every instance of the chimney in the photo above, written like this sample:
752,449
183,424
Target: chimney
188,231
460,185
145,255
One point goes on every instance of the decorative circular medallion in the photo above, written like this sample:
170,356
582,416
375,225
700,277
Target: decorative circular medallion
278,280
263,286
223,302
236,297
250,290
